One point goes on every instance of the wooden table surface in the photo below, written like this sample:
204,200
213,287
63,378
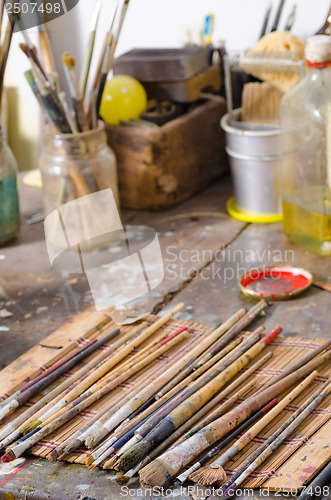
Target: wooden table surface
204,252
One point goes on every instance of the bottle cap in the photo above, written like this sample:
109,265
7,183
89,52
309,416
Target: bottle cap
318,49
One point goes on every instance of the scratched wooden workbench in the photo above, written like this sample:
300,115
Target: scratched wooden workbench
204,253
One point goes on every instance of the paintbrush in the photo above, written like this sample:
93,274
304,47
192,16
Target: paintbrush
207,476
103,427
316,489
266,20
88,334
243,321
295,366
179,433
69,64
46,49
114,380
78,438
274,445
71,121
38,386
110,52
223,408
283,427
182,395
5,50
89,50
28,420
214,473
170,463
189,407
291,18
121,353
278,15
124,479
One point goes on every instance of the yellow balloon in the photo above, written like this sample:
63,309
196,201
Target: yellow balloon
124,99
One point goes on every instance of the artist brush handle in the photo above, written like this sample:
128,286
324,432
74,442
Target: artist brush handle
274,445
101,88
81,118
56,114
273,437
238,430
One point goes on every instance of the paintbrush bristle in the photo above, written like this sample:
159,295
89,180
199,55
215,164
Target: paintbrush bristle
208,476
122,480
72,446
93,467
92,441
157,473
24,49
134,455
68,60
54,455
117,465
111,462
31,427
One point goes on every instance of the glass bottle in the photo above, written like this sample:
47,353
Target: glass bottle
75,165
9,204
305,119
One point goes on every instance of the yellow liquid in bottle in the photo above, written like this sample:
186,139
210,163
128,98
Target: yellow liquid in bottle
307,218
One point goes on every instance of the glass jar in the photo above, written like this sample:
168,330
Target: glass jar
75,165
305,119
9,205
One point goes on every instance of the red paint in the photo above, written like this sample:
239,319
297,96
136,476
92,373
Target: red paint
8,457
172,336
271,336
277,281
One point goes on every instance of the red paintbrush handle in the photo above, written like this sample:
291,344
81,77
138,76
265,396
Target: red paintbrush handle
173,335
271,336
267,407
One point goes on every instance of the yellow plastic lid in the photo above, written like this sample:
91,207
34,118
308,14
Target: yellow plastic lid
234,211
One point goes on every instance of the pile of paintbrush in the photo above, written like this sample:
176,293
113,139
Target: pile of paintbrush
174,411
80,112
7,25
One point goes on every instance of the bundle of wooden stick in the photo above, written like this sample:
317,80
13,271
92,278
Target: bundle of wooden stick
174,411
79,113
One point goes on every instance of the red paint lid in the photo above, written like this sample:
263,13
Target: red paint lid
275,283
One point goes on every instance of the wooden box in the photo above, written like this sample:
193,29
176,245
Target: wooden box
161,167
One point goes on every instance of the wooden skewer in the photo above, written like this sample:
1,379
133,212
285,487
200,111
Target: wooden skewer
274,445
208,476
189,407
169,464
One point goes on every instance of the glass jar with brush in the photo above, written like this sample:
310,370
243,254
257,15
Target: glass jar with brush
75,165
305,118
9,204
